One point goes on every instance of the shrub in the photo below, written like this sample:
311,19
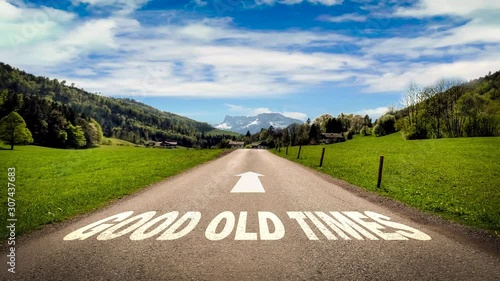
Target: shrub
350,134
414,133
363,131
378,130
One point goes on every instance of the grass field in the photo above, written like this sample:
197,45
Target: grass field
458,179
116,142
221,132
56,184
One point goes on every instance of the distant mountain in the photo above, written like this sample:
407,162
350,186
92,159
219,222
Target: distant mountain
242,124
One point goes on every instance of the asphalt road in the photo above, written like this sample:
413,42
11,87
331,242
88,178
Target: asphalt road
303,227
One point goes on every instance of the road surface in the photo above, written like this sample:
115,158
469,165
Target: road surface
251,215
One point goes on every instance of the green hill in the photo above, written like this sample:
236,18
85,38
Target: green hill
450,108
59,105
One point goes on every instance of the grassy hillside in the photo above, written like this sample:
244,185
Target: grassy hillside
218,132
454,178
55,184
116,142
125,119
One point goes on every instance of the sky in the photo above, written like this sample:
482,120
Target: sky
205,59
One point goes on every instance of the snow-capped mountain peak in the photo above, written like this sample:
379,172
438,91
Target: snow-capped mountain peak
242,124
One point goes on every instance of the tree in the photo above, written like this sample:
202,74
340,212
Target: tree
334,125
385,125
75,136
248,134
321,122
9,102
303,134
356,123
313,134
367,121
286,137
13,130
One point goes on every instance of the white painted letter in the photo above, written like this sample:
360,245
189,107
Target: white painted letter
321,226
341,224
142,219
210,232
299,217
279,228
241,231
139,234
374,227
193,217
94,228
410,231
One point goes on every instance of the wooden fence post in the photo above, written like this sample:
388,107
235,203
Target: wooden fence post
298,155
322,156
380,167
287,150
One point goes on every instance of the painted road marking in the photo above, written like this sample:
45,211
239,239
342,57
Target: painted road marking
248,183
333,225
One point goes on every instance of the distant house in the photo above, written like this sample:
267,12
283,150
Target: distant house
164,144
169,144
236,144
259,145
332,138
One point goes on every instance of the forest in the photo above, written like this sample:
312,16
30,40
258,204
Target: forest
451,108
63,116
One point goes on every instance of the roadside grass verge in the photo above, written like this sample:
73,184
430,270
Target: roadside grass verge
458,179
55,184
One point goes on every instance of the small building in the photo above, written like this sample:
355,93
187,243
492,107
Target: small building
236,144
332,138
169,144
259,145
165,144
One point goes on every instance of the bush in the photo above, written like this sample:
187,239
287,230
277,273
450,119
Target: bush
385,125
414,133
388,122
378,130
350,134
364,131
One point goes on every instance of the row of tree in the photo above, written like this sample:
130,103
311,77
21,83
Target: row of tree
49,123
451,108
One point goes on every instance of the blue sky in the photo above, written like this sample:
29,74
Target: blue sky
209,58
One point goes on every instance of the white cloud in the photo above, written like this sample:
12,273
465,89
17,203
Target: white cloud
426,8
213,58
200,3
251,66
69,44
374,113
295,115
342,18
397,79
120,7
20,25
327,2
293,2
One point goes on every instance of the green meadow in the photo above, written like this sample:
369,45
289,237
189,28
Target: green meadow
56,184
458,179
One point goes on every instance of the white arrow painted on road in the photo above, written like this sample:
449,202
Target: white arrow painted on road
248,183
